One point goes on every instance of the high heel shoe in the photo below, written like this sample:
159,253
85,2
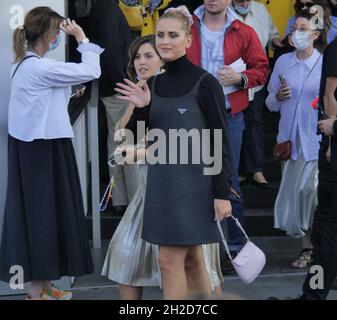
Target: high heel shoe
264,185
261,184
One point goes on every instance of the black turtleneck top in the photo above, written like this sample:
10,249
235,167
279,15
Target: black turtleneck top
178,80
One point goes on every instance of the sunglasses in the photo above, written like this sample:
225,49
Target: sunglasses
303,5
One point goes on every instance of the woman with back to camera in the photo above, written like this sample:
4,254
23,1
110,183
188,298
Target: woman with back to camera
44,228
181,202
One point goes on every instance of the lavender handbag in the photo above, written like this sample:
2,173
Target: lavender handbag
250,261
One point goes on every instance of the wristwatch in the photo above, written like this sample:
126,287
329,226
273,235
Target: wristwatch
243,83
85,40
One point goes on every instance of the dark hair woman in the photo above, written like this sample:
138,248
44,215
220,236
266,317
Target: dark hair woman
297,197
328,24
320,43
131,261
329,29
150,40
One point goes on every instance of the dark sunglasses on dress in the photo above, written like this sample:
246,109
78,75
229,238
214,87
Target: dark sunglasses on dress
305,5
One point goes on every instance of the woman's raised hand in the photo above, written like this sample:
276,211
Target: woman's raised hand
138,94
72,28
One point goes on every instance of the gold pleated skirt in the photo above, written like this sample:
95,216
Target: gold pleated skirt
131,260
134,262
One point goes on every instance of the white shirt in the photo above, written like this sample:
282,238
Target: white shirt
40,94
261,21
212,42
305,125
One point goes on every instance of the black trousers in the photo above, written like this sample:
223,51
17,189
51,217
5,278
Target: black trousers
324,233
252,150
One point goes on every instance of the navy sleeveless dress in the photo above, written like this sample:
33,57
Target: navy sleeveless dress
179,202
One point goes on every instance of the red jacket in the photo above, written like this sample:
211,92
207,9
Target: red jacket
241,41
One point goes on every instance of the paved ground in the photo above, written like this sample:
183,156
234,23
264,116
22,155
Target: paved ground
277,279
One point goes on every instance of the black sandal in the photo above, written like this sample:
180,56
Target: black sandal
304,259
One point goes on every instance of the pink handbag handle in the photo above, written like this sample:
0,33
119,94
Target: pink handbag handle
223,236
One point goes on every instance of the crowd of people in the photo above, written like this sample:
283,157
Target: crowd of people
207,71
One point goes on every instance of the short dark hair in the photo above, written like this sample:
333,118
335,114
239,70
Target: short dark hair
321,42
326,10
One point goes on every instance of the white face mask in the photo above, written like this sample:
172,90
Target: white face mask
301,40
242,10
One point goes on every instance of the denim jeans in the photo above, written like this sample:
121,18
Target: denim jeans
252,154
236,127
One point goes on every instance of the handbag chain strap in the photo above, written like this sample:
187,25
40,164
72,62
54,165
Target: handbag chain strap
299,98
223,236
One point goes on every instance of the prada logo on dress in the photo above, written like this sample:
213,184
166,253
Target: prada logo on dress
182,110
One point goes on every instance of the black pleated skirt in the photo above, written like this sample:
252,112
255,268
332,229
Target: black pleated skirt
44,228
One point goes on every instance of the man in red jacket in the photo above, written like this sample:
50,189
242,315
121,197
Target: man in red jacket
219,39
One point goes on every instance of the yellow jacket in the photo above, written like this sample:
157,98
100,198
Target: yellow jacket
280,11
150,21
139,19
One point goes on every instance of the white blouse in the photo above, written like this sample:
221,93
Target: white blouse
40,94
296,73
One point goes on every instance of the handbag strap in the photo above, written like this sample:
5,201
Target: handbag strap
299,97
25,58
223,239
